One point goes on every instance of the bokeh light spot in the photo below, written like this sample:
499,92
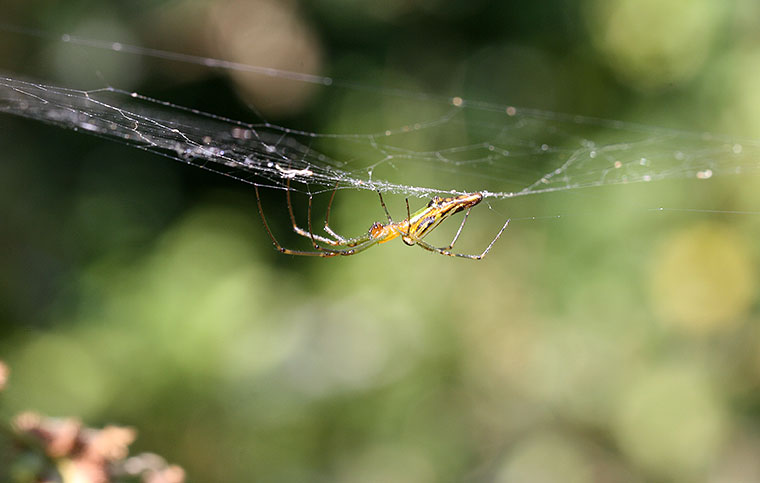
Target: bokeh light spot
671,422
387,463
67,60
703,278
272,34
652,44
546,457
60,376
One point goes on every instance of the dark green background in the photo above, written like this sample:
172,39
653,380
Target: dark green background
613,344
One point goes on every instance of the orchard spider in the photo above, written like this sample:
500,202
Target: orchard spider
411,230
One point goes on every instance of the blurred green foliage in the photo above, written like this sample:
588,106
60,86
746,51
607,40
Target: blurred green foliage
614,344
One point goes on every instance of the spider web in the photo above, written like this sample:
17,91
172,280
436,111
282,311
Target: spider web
511,151
499,150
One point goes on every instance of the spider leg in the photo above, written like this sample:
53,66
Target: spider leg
358,248
360,245
390,220
337,242
445,251
347,242
308,221
329,230
340,239
277,245
456,236
350,243
307,234
353,246
408,218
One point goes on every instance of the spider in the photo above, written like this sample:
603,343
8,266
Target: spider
411,230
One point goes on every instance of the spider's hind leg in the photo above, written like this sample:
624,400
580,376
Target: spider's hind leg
329,230
307,234
280,248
